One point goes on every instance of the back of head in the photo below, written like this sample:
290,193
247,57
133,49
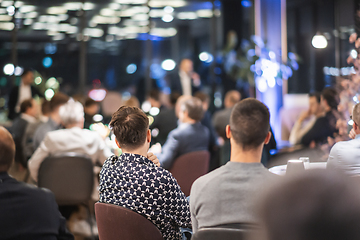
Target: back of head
194,108
155,94
316,95
7,150
315,205
45,108
231,98
71,113
205,98
331,97
26,104
132,102
130,126
356,114
180,102
57,100
249,123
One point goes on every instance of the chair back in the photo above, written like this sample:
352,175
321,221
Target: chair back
115,222
69,176
188,167
221,234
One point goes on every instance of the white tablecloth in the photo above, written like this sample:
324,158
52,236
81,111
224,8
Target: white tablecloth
281,170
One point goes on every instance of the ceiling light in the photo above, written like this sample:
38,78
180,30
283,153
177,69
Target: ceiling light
167,18
88,6
168,9
28,21
157,13
7,26
93,32
140,17
72,30
187,15
18,4
319,41
163,32
73,6
31,15
168,65
27,8
172,3
105,20
56,10
205,13
115,6
107,12
7,3
39,26
5,18
59,37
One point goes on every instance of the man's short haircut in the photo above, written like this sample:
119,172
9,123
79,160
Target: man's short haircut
57,100
233,96
313,205
26,71
205,98
249,123
174,96
317,95
155,94
71,112
7,149
130,126
331,97
90,102
45,107
356,114
194,108
26,104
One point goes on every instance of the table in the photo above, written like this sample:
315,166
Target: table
281,170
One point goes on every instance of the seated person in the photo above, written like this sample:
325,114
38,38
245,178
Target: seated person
189,136
226,195
29,110
54,121
72,139
307,119
325,126
345,155
27,212
314,205
134,181
91,107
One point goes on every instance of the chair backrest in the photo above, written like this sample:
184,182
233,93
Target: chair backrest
221,234
188,167
69,176
115,222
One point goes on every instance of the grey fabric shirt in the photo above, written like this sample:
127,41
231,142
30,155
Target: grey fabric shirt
42,130
226,195
345,155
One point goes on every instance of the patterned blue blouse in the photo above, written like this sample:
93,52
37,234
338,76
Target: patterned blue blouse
134,182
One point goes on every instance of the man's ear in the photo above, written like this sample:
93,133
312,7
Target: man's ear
268,137
228,131
148,136
355,127
117,143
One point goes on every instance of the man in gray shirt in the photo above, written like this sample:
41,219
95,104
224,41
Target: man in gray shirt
345,155
226,195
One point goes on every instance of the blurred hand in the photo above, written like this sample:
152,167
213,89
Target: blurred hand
352,134
196,79
152,157
156,148
304,115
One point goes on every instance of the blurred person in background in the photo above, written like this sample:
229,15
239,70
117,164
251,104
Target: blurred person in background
206,121
313,205
29,112
165,121
307,119
45,111
27,212
345,155
221,119
185,81
132,102
20,93
54,122
91,107
189,136
324,126
225,196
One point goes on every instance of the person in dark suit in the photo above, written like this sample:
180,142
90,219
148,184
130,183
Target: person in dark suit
189,136
27,212
185,81
29,110
20,93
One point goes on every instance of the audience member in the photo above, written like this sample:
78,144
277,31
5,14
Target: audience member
325,126
189,136
54,122
71,139
154,99
132,102
20,93
45,111
165,121
222,118
27,212
314,205
29,110
135,181
91,107
226,195
185,81
345,154
307,119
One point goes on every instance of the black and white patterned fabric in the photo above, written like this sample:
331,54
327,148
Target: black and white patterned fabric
134,182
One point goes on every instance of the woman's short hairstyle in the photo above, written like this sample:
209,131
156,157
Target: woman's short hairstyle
130,126
249,123
71,112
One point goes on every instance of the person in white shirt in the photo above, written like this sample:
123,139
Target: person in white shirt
345,155
307,119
